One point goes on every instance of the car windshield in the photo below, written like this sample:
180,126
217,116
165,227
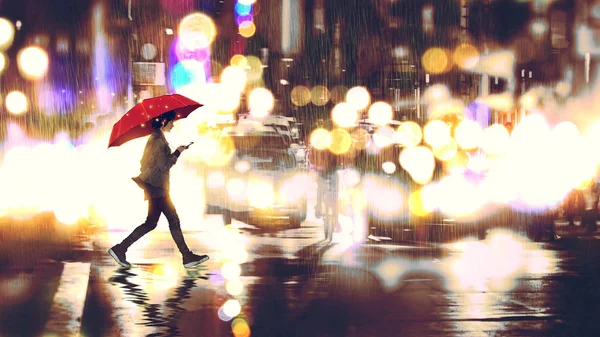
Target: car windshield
263,152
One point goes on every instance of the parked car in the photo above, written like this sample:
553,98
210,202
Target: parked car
261,185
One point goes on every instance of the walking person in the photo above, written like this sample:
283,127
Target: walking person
156,162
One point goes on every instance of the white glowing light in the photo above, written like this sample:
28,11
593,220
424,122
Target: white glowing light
358,97
261,102
16,102
33,62
232,308
7,33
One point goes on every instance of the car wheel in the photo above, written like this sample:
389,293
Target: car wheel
226,217
295,221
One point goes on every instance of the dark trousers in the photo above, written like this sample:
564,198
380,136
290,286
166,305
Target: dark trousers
156,206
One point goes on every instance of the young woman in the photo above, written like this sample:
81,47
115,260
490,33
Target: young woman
154,180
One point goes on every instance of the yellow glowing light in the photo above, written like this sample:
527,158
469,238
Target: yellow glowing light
232,308
358,97
254,69
7,33
468,134
261,102
238,60
381,113
320,139
319,95
447,151
32,62
197,31
409,134
2,62
300,95
418,205
240,328
436,60
340,141
344,115
16,102
437,133
466,56
495,139
247,28
234,287
234,78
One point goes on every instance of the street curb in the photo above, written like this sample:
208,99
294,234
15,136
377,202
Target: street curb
65,316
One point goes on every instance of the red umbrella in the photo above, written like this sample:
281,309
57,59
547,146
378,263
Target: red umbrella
136,122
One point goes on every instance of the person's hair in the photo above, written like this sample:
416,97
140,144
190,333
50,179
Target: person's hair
162,120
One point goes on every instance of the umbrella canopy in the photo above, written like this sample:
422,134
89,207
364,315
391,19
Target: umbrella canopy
136,122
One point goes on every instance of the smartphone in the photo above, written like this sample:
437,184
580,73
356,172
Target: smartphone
188,145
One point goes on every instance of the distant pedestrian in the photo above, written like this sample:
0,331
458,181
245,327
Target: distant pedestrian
156,162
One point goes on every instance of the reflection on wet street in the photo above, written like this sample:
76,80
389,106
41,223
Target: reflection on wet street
292,283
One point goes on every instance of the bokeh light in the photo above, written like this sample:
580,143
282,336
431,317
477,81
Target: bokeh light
419,162
16,102
437,133
320,139
338,94
340,141
468,134
247,28
232,308
300,95
409,134
344,115
261,102
447,151
358,97
235,78
2,62
319,95
436,61
466,56
238,60
240,328
254,69
380,113
197,31
7,33
32,62
148,51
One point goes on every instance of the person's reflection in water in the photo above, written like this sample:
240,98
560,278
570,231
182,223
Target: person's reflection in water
153,317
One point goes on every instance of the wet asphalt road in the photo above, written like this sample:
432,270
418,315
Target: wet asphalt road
291,283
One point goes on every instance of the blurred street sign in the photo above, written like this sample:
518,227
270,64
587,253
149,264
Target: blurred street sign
148,73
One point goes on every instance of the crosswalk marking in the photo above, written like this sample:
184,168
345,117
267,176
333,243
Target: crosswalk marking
66,311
